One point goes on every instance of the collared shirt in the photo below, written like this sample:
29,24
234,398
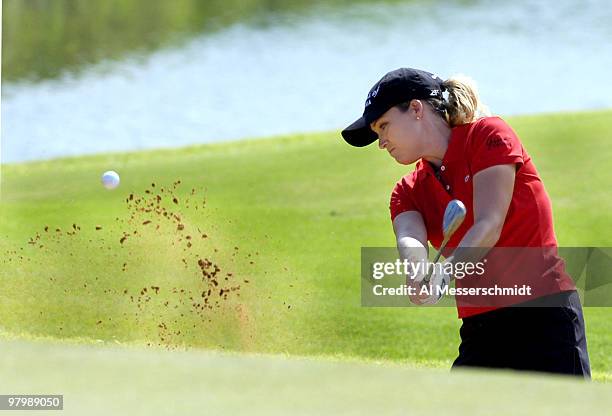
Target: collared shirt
473,147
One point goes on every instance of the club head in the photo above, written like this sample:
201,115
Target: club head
454,214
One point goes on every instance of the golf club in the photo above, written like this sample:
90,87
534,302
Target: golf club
454,214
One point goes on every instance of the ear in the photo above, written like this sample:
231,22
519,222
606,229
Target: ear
417,108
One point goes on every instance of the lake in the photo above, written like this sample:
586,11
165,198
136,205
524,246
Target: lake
90,77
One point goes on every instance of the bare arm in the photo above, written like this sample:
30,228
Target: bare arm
411,236
493,188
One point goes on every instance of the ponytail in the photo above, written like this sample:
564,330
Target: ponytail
463,105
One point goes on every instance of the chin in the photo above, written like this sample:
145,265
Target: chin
404,161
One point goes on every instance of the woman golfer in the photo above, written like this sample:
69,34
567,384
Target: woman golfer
464,154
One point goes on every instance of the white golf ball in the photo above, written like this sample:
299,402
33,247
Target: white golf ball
110,179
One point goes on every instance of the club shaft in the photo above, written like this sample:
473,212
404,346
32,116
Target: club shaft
442,246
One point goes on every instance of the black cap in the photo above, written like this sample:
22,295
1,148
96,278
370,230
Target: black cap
396,87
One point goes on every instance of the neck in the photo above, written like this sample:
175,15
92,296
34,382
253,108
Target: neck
439,136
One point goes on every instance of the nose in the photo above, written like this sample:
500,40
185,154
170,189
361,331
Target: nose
382,143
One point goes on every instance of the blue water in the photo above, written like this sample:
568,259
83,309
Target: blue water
312,72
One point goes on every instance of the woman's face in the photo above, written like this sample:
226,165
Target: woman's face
400,133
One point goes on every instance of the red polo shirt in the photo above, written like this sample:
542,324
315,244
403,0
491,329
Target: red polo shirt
473,147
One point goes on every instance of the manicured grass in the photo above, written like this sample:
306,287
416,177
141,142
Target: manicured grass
112,380
299,208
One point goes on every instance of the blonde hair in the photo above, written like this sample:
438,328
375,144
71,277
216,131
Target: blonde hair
463,105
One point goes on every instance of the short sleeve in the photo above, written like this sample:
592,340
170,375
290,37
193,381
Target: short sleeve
493,142
402,197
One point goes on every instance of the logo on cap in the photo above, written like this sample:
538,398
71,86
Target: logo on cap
371,95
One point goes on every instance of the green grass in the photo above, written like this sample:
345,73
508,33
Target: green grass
300,208
110,380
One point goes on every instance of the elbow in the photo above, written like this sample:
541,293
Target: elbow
491,231
410,242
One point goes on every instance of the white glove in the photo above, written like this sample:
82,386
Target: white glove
439,280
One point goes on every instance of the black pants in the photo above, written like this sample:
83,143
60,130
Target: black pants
533,338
